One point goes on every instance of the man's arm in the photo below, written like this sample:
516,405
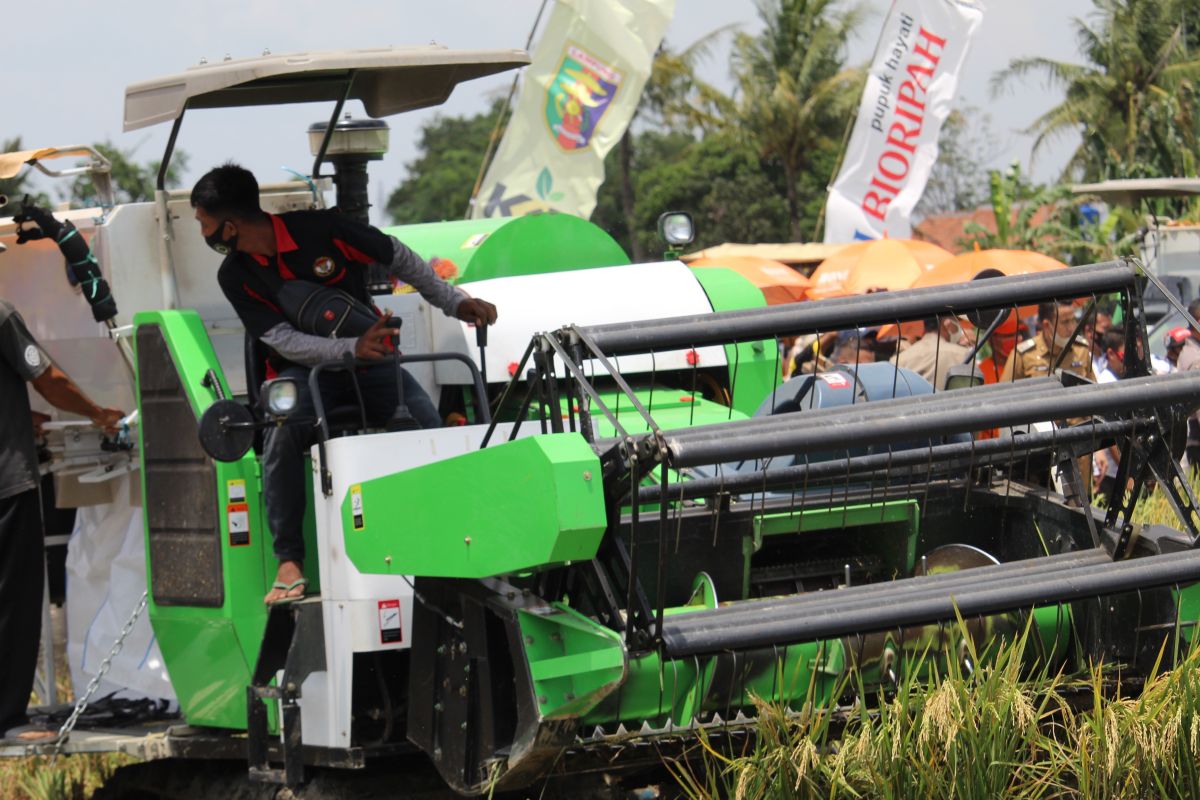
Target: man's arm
309,350
25,356
416,272
454,302
62,393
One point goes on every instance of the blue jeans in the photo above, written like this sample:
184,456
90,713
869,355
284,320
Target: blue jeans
285,446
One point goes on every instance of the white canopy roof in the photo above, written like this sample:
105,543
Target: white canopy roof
1128,191
387,80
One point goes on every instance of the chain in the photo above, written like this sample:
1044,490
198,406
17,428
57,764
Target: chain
94,684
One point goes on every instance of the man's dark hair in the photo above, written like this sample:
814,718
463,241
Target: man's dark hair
1194,308
228,191
1049,312
1114,340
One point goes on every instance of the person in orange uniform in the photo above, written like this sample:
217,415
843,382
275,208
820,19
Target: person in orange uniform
1002,340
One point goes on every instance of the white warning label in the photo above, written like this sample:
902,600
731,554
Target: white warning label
389,622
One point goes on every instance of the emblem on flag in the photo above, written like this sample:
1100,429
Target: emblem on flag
580,94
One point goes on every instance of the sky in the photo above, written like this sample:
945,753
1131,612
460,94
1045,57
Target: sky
65,74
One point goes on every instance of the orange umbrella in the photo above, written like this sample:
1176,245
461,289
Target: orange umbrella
778,282
878,264
966,266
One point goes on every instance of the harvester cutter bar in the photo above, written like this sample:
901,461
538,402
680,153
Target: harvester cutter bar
884,423
899,604
880,308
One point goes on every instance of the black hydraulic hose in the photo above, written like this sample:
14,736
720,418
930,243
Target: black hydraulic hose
884,407
789,434
978,452
881,308
695,634
889,408
872,594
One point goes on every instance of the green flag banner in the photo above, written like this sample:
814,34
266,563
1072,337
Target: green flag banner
576,101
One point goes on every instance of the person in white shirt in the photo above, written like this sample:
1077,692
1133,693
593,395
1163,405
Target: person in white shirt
1107,460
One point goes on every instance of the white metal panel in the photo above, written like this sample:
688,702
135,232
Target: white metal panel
530,304
350,599
387,80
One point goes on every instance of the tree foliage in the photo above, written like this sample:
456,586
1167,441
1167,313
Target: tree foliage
795,95
440,179
959,180
1050,220
1134,101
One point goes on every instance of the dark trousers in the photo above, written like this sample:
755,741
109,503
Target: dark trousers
285,447
22,566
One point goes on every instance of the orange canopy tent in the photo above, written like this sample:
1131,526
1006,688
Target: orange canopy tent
878,264
778,282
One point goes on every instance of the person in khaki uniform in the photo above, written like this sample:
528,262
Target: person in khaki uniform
933,354
1034,357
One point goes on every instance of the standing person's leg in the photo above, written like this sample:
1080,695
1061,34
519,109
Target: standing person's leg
378,385
283,477
22,567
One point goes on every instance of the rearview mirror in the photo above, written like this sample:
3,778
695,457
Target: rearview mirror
226,430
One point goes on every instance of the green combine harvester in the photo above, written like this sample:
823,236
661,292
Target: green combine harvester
638,533
560,597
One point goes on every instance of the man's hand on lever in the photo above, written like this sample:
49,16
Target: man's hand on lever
376,342
476,311
108,419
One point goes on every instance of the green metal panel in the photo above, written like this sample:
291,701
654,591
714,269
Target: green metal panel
206,658
530,245
681,691
513,507
754,367
210,652
573,661
671,409
890,529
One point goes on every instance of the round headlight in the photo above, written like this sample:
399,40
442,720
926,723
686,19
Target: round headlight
676,228
282,397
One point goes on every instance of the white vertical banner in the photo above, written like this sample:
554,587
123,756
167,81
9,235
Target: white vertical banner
577,98
908,96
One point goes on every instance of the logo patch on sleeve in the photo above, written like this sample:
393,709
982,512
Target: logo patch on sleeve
324,266
32,357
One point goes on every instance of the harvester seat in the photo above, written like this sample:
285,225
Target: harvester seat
343,419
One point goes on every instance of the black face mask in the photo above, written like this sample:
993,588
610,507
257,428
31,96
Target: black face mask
222,246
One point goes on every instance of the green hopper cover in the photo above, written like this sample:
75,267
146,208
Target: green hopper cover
506,246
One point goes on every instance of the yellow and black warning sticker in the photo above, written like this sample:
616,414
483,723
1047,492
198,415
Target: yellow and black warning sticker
356,507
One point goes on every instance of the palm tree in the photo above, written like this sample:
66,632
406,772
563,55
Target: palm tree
1133,102
793,94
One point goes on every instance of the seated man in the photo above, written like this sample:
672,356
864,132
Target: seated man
263,250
